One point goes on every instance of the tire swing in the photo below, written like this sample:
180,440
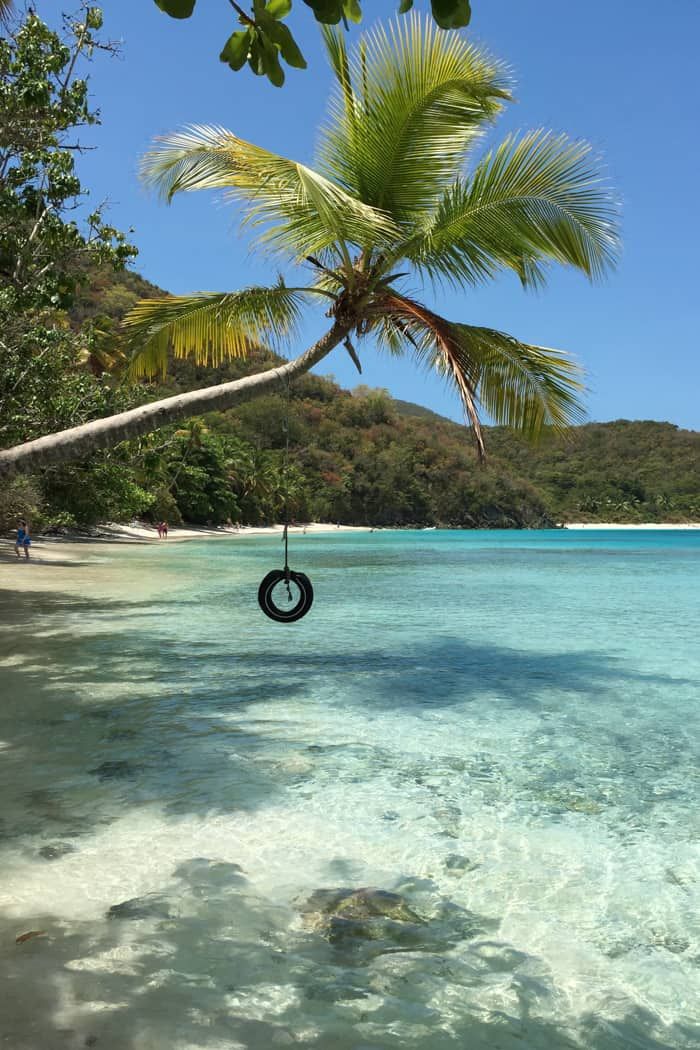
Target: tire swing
286,579
290,579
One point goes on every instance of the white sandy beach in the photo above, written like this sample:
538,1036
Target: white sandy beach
648,525
70,549
139,531
73,548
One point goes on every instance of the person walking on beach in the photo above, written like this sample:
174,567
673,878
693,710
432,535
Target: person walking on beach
164,529
23,541
160,530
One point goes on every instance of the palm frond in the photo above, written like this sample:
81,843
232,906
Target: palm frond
434,343
529,388
532,200
526,387
293,207
212,327
390,335
409,103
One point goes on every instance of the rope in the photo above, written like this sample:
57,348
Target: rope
285,479
302,582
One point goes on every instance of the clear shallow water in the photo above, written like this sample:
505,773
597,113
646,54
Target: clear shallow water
501,727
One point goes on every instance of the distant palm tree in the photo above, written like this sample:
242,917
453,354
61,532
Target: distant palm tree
391,197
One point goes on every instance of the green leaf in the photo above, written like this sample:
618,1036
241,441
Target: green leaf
330,12
212,327
255,55
298,209
352,11
529,388
421,98
236,49
279,8
279,37
280,34
177,8
451,14
533,199
271,61
405,6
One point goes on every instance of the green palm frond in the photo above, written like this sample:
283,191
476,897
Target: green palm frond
390,335
532,200
293,207
529,388
410,102
212,327
434,343
526,387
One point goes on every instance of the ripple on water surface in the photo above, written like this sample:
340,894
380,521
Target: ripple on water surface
455,806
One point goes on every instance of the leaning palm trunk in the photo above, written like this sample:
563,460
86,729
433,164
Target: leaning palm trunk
104,433
394,194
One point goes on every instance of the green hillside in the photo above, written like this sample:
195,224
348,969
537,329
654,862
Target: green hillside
357,457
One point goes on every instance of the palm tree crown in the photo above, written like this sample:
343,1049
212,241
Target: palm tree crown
394,193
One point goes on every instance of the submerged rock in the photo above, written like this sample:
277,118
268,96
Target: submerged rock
24,937
345,916
363,903
371,922
203,869
121,770
457,863
56,850
209,879
149,907
122,734
583,805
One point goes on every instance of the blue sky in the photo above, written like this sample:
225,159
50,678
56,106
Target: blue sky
618,74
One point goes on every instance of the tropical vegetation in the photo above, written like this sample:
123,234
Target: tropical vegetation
53,374
265,37
395,194
363,458
357,457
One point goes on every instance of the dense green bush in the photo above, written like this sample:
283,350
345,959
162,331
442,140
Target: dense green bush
20,498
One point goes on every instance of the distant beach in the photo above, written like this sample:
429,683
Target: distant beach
74,547
646,525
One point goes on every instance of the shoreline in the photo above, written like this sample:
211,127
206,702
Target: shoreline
71,548
138,532
615,525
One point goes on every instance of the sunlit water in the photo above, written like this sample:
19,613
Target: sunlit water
503,728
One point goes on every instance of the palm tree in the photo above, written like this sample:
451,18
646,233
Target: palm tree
394,194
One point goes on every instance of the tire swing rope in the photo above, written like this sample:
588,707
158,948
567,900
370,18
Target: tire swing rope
286,575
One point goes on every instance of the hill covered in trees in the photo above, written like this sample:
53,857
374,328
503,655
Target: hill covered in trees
357,457
360,457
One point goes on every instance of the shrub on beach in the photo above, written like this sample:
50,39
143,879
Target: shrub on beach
20,498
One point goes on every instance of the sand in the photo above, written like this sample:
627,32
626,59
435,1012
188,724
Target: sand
71,549
647,525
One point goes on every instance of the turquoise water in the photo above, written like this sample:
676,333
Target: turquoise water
503,728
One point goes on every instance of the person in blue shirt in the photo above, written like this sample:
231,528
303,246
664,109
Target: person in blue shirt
23,541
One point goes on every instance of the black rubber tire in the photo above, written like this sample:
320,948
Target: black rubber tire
306,596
